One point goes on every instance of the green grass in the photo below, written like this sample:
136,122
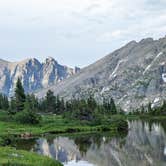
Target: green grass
160,117
146,117
12,157
52,124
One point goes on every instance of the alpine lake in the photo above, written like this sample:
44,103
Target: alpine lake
143,145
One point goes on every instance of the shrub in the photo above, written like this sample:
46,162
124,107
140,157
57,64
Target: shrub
27,117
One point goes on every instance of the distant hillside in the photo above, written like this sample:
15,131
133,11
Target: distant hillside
133,75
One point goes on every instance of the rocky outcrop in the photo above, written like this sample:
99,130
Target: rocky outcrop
133,75
34,75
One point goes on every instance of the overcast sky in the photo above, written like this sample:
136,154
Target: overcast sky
76,32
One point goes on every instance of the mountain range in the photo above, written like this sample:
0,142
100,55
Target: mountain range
133,75
33,74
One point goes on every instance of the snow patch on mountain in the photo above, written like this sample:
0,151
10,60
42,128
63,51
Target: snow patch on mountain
164,77
33,74
113,75
150,65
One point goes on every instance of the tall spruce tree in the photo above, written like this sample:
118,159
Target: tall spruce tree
113,106
150,110
4,103
31,103
50,101
91,103
19,96
12,106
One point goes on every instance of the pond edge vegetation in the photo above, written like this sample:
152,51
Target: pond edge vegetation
26,116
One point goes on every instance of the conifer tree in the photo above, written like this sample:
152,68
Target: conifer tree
91,103
113,106
4,103
50,101
31,103
12,106
150,108
19,96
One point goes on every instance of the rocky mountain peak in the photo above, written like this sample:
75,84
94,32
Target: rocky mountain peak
3,61
146,40
133,75
32,62
34,75
50,60
76,69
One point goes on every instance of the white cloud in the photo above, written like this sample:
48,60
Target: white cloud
58,26
110,36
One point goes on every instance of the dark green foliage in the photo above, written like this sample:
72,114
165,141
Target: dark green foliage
18,101
159,110
109,106
19,96
12,108
81,109
4,103
59,105
89,110
52,104
91,102
24,108
112,106
31,103
156,111
27,117
50,101
150,107
42,105
122,125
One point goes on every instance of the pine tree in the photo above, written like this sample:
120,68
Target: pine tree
4,103
62,106
150,108
91,103
50,101
42,106
31,103
1,100
19,96
113,106
12,106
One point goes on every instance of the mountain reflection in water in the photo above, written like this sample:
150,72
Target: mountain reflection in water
144,145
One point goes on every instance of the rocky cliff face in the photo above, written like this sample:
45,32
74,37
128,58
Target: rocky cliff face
133,75
34,75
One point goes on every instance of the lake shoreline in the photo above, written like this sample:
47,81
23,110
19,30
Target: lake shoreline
12,157
54,125
51,125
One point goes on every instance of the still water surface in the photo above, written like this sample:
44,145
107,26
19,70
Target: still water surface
143,145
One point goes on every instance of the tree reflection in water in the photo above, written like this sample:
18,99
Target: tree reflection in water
143,145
